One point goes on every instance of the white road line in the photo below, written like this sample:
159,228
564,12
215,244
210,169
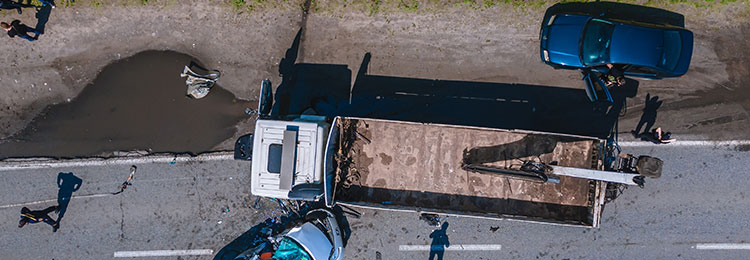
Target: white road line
728,144
53,200
163,253
17,164
723,246
487,247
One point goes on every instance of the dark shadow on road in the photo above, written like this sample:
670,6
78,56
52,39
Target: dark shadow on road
325,89
621,11
484,104
439,242
648,118
68,183
42,17
320,87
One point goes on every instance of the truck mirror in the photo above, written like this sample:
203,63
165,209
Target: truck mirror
243,148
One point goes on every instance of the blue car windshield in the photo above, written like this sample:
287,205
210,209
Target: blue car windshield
672,49
595,42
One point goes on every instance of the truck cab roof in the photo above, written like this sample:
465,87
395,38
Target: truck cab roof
285,154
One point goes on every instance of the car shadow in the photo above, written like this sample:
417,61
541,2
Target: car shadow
621,11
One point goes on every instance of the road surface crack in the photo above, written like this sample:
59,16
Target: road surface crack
122,221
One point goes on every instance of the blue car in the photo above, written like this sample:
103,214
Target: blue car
583,42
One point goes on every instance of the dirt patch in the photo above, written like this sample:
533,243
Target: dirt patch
79,41
138,103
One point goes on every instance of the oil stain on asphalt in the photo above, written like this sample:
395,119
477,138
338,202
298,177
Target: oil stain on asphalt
137,103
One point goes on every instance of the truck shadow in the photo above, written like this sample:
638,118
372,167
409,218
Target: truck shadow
324,89
305,84
621,11
485,104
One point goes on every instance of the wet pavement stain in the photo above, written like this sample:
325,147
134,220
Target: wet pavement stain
138,103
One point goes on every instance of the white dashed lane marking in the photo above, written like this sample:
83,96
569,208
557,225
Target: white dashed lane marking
486,247
153,253
723,246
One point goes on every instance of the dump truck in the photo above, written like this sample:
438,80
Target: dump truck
437,168
441,169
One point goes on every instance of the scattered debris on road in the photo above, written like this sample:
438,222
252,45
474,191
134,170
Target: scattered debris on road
432,219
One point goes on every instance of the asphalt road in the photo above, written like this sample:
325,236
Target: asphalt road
699,199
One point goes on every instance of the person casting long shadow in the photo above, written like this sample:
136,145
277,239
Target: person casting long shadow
68,183
649,115
439,242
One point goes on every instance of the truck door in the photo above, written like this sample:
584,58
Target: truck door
265,100
329,165
595,87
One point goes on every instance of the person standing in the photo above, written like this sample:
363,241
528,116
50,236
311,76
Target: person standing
614,77
36,216
17,28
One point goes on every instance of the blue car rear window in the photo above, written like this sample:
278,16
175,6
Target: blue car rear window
672,49
595,42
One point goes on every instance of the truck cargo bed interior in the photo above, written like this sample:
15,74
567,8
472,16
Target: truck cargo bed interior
420,166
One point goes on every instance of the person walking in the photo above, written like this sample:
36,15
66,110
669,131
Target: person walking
21,30
36,216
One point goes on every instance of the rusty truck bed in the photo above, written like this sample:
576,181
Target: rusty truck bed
403,165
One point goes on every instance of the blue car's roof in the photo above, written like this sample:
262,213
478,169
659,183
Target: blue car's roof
636,45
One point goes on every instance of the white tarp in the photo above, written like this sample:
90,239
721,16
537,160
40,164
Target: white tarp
199,85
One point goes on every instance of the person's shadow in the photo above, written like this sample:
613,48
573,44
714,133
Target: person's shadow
649,115
68,183
42,17
439,242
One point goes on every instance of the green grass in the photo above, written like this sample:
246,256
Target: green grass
409,5
373,7
238,3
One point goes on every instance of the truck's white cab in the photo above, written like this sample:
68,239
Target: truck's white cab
287,157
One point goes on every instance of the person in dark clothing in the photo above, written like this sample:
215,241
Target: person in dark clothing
48,2
614,77
36,216
17,28
658,136
8,5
